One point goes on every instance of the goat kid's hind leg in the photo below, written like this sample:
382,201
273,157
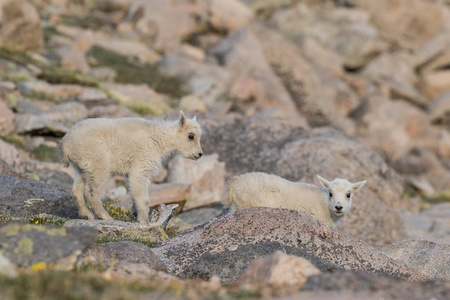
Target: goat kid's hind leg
94,183
78,191
138,184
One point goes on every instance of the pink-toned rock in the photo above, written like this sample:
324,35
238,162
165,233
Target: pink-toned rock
395,127
436,83
21,25
226,245
193,103
409,22
73,56
277,146
219,12
208,81
128,48
6,119
166,193
278,270
161,24
319,96
242,55
205,176
431,257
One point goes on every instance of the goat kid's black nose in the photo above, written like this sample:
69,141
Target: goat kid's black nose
200,154
338,207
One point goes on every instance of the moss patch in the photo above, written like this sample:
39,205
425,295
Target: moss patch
85,21
130,70
45,153
118,213
50,71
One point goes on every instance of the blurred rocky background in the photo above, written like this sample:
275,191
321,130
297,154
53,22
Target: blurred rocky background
357,89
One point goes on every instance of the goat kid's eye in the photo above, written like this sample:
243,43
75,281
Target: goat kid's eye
191,136
331,194
348,195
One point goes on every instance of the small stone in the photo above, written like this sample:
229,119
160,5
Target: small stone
279,270
193,103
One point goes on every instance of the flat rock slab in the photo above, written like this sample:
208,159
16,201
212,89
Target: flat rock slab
44,246
431,257
118,230
350,285
124,252
225,246
24,198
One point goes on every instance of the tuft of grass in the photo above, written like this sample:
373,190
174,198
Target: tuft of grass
46,220
118,213
130,70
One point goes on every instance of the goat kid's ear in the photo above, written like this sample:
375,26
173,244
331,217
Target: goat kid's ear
194,118
358,185
182,120
323,182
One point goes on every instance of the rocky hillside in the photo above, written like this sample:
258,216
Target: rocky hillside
344,88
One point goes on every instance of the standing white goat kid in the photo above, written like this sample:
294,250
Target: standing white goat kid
328,203
99,148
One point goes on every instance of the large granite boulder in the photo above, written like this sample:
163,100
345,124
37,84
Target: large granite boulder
276,146
225,246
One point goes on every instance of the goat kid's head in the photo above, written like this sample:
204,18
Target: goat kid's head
340,192
188,137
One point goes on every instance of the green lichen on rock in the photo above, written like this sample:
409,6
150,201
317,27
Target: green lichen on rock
49,71
149,237
10,230
24,247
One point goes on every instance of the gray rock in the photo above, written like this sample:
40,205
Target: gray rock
44,246
39,125
67,113
358,285
431,257
433,223
25,198
199,215
152,233
109,254
276,146
209,81
227,245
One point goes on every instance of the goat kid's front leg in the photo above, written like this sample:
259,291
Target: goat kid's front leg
138,184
